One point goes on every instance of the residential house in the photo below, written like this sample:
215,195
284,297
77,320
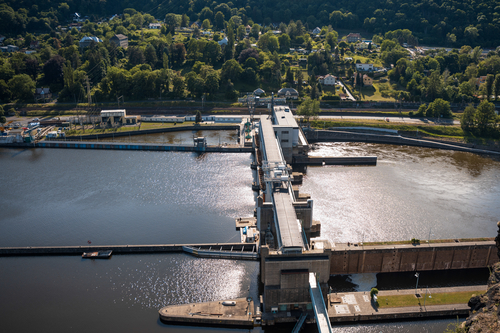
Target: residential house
329,80
2,38
258,92
42,94
480,80
10,48
316,31
362,46
223,42
289,93
248,29
367,81
119,40
353,37
35,44
86,41
364,67
29,51
77,26
303,62
154,25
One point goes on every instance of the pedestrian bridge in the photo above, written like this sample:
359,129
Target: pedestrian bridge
320,310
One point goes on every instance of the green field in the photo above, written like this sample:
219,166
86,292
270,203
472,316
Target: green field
396,301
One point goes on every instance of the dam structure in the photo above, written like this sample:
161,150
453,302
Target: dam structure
294,274
294,265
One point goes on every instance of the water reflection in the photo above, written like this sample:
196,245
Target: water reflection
179,138
410,191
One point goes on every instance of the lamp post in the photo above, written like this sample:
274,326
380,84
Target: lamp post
416,286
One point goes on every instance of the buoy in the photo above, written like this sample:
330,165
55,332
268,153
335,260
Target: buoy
89,242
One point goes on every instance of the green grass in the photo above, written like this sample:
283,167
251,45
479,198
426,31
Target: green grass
450,131
460,297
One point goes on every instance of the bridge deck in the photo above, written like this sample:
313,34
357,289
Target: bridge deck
287,228
320,311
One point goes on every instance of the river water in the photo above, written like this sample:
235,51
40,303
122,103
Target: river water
67,197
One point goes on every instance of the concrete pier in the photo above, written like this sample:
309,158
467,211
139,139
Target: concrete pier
241,314
118,249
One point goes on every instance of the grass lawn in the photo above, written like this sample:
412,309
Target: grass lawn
460,297
372,93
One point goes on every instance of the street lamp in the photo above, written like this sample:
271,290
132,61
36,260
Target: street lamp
416,286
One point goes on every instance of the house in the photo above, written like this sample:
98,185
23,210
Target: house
43,94
10,48
86,41
480,80
329,80
248,29
35,44
353,37
223,42
29,51
154,25
362,46
367,81
119,40
289,93
258,92
303,62
364,67
77,26
2,38
316,31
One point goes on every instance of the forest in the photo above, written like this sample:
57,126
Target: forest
449,23
218,52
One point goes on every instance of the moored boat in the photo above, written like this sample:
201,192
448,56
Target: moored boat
97,254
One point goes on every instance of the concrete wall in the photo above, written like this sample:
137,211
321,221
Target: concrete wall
403,258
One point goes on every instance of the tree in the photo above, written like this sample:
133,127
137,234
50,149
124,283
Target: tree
150,55
53,69
178,54
467,120
22,87
212,82
219,20
198,118
484,116
308,108
439,108
205,25
135,56
373,292
489,85
300,78
496,86
231,70
178,86
2,116
284,42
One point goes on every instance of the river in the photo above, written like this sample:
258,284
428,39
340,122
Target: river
67,197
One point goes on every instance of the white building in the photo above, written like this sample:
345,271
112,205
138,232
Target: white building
329,80
163,119
154,25
286,130
364,67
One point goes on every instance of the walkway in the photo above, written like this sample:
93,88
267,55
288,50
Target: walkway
288,230
320,310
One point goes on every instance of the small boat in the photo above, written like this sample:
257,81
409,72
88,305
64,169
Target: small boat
97,254
229,303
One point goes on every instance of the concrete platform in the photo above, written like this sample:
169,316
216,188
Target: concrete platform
242,222
357,306
211,313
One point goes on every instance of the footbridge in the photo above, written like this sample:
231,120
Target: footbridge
318,304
